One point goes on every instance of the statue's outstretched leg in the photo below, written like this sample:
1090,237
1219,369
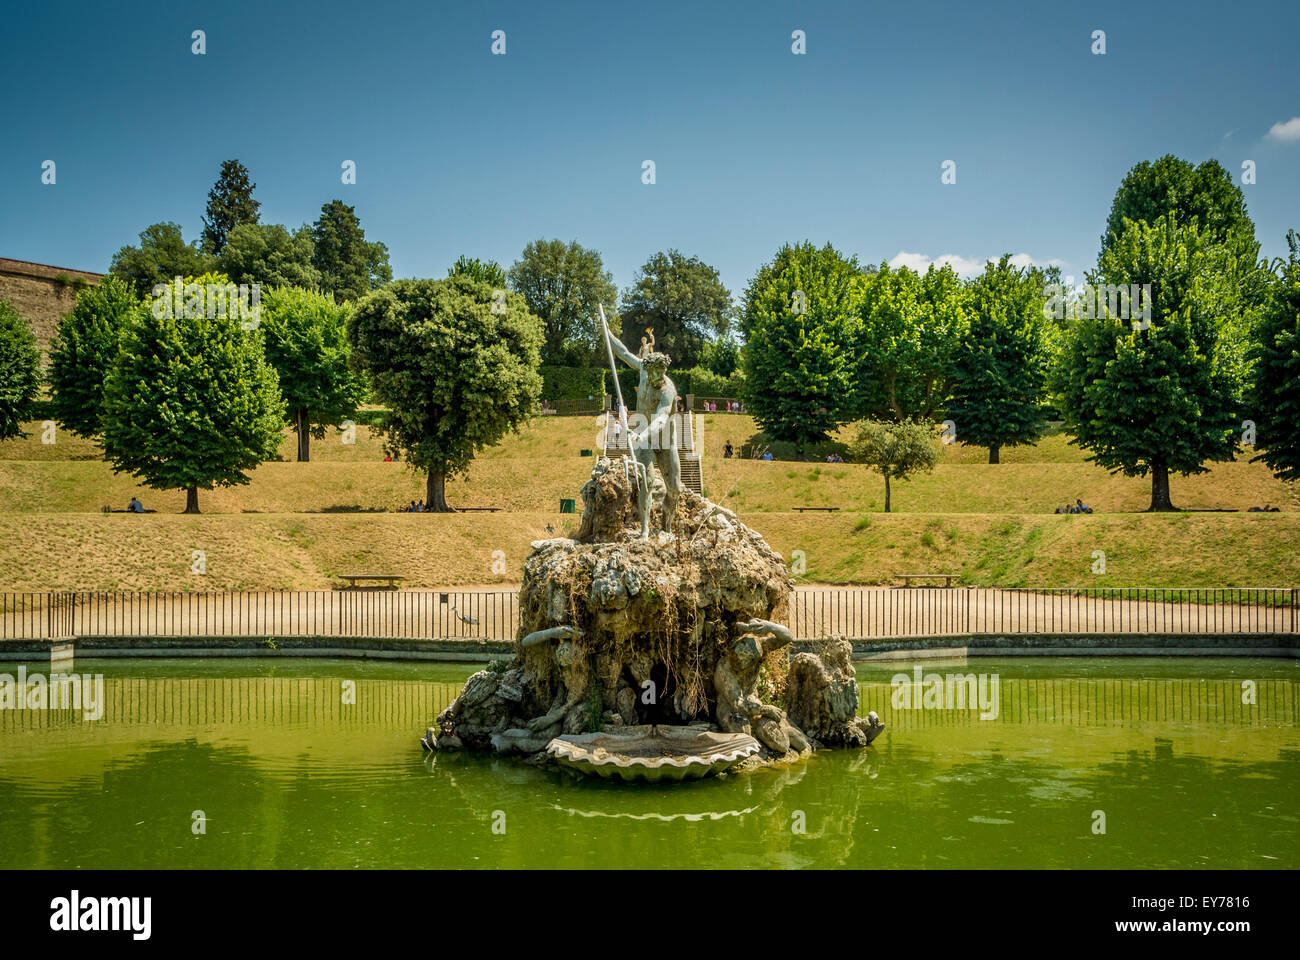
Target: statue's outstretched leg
643,491
670,467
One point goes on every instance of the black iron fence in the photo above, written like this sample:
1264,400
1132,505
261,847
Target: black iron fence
854,612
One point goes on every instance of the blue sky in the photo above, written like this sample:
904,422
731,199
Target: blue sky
459,151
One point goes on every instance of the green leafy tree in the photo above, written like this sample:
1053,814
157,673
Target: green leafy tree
897,449
909,331
797,320
563,283
267,253
1162,399
304,335
190,402
489,271
230,203
721,356
349,265
1203,194
683,300
1275,389
83,352
161,256
455,375
20,371
1000,367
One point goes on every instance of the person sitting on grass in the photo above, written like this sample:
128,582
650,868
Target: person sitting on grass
727,451
1081,507
135,506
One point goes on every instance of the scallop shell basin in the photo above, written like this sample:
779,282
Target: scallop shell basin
653,752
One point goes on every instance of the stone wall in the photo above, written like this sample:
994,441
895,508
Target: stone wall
41,293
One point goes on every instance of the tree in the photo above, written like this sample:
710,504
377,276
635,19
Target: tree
456,375
1000,367
161,256
905,342
1275,389
489,271
683,300
304,336
230,203
20,371
1204,195
349,266
721,356
896,449
268,254
83,352
563,284
796,321
1164,398
190,402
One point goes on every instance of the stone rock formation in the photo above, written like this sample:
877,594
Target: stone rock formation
678,629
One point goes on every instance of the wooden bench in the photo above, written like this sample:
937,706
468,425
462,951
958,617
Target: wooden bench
827,509
352,579
947,578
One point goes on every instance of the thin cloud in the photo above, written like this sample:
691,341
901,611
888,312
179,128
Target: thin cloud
1288,132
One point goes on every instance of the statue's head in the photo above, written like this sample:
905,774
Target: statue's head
656,368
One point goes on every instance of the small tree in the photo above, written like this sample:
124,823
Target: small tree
1275,391
190,402
83,352
896,449
20,371
1000,370
456,375
305,339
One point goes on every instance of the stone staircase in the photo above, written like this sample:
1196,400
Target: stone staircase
690,447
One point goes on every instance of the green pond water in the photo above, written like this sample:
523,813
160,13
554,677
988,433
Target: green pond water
288,775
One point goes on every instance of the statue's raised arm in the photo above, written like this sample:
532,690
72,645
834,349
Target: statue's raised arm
624,354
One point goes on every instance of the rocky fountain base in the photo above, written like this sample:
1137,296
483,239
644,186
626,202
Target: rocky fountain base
675,642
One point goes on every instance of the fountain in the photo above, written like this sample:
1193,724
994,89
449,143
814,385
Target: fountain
656,655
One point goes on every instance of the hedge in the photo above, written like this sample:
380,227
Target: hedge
572,383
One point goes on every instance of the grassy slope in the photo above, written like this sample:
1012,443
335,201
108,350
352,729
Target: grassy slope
300,525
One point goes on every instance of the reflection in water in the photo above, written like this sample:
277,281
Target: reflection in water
292,770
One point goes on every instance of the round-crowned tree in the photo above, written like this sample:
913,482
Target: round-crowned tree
83,351
456,366
20,371
304,334
190,402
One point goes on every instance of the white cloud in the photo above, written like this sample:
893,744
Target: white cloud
964,266
1285,132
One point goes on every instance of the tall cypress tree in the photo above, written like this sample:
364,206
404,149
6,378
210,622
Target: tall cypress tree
230,203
